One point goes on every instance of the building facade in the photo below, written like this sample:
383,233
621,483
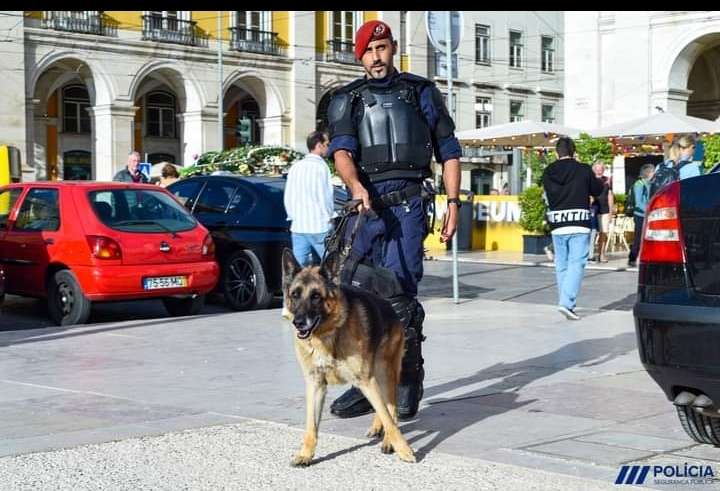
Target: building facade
84,88
626,65
508,67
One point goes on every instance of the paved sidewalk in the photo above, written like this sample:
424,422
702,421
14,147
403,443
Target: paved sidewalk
507,382
254,455
617,261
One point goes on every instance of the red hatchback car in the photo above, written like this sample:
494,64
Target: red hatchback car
75,243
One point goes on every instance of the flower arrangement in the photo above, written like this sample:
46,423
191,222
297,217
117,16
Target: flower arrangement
246,161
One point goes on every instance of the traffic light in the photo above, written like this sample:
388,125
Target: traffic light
244,130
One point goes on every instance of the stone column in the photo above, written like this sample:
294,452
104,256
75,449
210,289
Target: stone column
276,129
112,138
200,133
671,100
303,101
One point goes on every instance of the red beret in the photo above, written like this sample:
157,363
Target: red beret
372,30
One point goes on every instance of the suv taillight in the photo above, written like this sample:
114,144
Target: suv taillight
104,247
662,237
208,247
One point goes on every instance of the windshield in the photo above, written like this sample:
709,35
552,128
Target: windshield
140,210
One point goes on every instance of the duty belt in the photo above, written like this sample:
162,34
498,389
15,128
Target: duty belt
399,197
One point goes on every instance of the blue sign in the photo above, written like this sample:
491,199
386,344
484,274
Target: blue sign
144,167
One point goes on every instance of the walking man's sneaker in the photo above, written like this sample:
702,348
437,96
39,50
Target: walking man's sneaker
632,264
549,253
568,313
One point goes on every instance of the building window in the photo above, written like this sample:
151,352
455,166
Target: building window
76,102
343,25
516,111
548,113
548,54
482,44
160,114
483,112
255,20
516,49
453,112
173,26
441,65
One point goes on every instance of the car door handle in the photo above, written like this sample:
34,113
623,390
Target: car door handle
49,240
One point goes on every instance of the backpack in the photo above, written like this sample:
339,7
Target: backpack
630,201
664,174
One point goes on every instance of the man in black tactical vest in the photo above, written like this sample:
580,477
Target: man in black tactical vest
384,129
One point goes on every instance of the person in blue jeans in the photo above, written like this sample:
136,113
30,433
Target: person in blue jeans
568,186
641,195
308,201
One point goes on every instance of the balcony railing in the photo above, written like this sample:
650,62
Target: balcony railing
340,52
169,30
255,41
86,22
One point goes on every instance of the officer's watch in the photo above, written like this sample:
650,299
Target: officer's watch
456,201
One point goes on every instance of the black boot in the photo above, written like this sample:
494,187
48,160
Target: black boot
410,390
351,404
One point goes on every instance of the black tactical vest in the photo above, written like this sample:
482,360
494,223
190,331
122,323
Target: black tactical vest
395,140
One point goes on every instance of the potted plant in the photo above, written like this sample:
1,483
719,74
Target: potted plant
532,220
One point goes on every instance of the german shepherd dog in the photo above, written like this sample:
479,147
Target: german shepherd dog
344,334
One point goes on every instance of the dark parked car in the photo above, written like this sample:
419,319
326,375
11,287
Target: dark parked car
2,285
248,223
677,314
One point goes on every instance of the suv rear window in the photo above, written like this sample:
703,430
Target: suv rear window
140,210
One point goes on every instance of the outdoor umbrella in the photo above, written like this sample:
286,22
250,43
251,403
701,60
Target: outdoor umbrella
518,134
658,125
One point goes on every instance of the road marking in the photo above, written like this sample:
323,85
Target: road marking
124,335
61,389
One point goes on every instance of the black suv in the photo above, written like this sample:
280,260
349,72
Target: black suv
248,223
677,314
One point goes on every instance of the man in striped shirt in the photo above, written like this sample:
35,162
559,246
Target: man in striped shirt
309,201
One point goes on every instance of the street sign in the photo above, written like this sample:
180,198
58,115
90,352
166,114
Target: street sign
435,25
144,167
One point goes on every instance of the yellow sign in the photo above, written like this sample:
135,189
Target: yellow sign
495,224
4,165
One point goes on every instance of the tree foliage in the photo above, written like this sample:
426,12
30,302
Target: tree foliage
589,149
712,150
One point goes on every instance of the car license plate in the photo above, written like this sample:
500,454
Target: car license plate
165,282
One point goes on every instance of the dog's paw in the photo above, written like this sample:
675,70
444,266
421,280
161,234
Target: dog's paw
407,455
386,447
375,431
301,461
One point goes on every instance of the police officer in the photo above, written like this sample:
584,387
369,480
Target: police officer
384,128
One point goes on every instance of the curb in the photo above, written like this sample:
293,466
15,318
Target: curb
530,263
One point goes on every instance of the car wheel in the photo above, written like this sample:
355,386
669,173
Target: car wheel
184,306
244,284
700,428
67,304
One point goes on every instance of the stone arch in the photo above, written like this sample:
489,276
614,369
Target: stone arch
90,72
185,85
692,55
262,90
52,140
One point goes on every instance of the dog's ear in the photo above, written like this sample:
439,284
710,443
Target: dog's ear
290,267
331,267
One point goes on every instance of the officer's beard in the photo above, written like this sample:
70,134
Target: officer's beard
378,75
